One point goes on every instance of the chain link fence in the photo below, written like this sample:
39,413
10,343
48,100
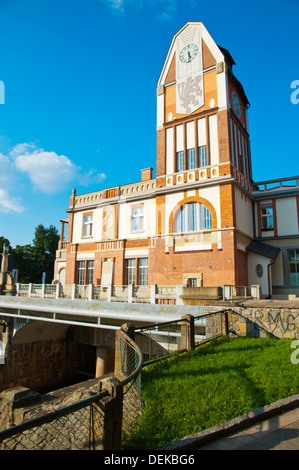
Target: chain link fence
128,371
74,427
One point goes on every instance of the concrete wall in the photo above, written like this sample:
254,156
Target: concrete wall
40,363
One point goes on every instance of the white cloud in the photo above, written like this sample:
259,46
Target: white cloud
167,8
47,171
50,172
9,203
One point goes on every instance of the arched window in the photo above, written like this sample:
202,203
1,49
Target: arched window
191,217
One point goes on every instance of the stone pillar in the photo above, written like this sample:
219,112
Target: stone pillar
187,333
104,361
153,293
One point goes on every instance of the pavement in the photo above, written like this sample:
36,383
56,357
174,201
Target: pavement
281,432
273,427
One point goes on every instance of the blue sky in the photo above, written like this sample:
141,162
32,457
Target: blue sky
80,93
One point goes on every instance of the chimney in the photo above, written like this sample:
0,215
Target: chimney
146,174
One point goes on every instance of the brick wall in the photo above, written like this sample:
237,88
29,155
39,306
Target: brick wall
41,364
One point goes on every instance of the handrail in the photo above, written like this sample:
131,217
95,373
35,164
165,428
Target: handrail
51,416
135,373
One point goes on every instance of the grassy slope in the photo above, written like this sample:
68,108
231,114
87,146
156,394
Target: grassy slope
216,382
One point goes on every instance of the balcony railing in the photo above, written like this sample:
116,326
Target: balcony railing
281,183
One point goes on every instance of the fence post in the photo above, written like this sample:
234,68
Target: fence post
73,291
109,292
226,323
43,290
153,293
179,292
130,293
90,291
187,332
57,290
112,408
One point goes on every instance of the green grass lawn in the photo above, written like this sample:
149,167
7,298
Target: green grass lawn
218,381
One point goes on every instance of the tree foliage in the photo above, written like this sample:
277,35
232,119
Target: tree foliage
37,258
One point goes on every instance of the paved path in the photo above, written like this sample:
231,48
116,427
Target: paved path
281,432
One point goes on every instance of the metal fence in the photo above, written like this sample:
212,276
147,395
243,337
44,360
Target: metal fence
128,370
162,339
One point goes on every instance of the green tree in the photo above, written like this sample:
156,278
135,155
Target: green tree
25,263
34,259
3,240
45,245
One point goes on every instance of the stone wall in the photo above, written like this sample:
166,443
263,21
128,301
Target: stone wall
257,320
43,364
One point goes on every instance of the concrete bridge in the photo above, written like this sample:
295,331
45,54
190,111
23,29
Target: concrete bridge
44,342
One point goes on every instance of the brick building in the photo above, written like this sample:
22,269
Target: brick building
201,221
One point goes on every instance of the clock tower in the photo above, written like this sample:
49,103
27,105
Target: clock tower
201,111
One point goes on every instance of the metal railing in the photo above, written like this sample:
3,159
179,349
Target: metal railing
161,339
241,292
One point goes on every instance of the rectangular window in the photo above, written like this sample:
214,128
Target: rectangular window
130,271
138,219
80,272
294,267
180,161
267,218
202,156
142,271
192,282
87,225
191,159
90,269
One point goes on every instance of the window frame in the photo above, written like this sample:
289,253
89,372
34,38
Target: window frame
296,263
142,272
130,271
192,217
87,225
191,159
137,217
80,273
202,156
267,217
180,161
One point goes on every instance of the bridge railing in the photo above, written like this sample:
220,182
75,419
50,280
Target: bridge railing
128,293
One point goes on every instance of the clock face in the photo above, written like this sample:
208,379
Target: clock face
188,53
236,104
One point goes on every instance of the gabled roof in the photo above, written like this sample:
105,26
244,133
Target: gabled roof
263,249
